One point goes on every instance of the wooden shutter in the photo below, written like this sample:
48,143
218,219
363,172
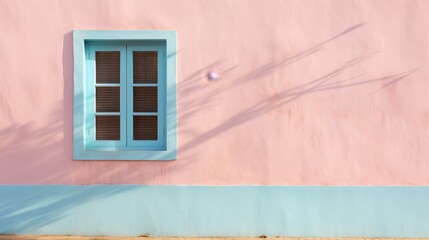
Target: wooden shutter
107,66
145,67
107,99
107,96
145,99
145,95
107,128
145,127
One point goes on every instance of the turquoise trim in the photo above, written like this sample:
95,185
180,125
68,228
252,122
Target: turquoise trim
230,211
83,151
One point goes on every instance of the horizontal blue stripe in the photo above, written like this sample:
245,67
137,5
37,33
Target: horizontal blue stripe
215,210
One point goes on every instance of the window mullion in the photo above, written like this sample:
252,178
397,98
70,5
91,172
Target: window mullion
123,103
129,100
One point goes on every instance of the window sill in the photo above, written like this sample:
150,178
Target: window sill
92,154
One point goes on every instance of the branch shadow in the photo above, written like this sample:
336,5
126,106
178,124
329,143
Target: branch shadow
26,209
324,83
24,212
285,97
192,84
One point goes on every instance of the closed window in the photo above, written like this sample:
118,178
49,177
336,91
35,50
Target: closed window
127,106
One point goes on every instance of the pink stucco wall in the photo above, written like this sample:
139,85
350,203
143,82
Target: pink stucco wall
311,92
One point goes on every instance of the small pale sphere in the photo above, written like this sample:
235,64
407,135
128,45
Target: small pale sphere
213,76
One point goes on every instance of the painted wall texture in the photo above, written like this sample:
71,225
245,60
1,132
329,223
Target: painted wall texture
310,92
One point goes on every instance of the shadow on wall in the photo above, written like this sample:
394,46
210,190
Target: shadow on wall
25,210
40,150
68,93
52,142
190,84
282,98
275,101
32,149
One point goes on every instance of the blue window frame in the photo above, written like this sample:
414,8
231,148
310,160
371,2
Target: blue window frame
126,146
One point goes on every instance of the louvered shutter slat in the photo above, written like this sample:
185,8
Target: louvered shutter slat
145,67
145,99
145,127
107,128
107,99
107,67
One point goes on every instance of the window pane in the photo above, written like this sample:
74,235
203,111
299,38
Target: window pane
145,67
145,99
107,99
107,67
145,127
107,128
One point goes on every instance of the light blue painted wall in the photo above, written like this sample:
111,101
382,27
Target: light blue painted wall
215,211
